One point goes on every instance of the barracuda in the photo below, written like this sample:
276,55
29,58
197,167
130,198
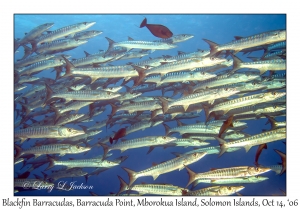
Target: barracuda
235,135
165,167
102,72
222,173
214,191
140,45
60,149
80,95
247,143
244,87
206,95
33,34
83,163
195,128
181,76
68,119
137,143
46,132
137,106
176,38
32,59
154,189
277,46
39,66
59,46
262,66
185,64
225,79
248,42
237,180
63,32
182,56
87,34
76,106
245,101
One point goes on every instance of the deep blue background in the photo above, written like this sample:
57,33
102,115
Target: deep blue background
217,28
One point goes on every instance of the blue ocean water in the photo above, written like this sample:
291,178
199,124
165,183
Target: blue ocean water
217,28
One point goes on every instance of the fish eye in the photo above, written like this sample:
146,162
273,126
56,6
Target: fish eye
228,60
274,106
253,83
229,188
256,169
212,58
195,154
77,146
256,177
164,137
69,129
202,73
274,93
85,23
226,89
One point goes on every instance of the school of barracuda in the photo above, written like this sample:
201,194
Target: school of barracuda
215,81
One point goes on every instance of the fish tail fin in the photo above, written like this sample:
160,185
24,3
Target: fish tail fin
16,44
33,46
151,148
111,140
114,109
123,185
206,111
25,108
58,70
49,93
167,129
141,77
192,176
18,151
222,143
213,47
105,149
283,159
272,121
164,104
27,51
51,162
57,114
131,175
236,63
144,23
110,45
68,67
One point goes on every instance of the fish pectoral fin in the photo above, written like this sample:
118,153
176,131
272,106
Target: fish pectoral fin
155,176
211,101
37,155
185,107
247,147
122,150
182,167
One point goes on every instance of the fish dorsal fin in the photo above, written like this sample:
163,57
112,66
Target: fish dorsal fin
154,164
213,169
238,37
181,53
130,39
86,53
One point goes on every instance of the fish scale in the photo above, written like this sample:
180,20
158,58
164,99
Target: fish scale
145,45
278,45
92,162
214,191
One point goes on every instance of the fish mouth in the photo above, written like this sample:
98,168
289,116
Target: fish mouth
89,24
239,188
